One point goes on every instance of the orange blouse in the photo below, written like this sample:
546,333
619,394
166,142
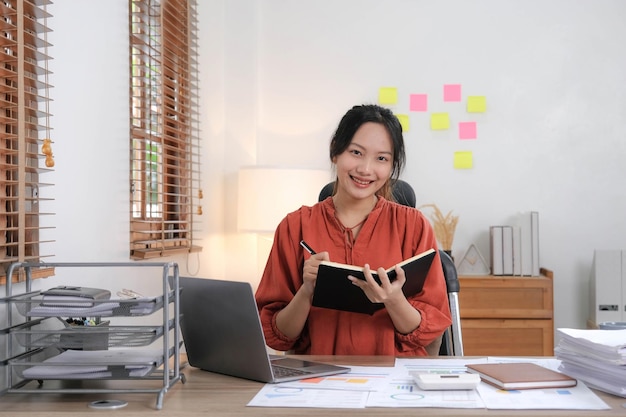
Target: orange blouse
390,234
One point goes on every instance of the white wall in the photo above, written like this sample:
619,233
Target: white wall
276,76
552,138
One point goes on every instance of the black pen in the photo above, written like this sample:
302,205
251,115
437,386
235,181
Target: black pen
307,247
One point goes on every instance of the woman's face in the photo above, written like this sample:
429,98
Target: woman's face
366,164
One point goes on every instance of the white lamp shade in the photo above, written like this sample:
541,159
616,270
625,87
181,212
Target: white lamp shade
267,195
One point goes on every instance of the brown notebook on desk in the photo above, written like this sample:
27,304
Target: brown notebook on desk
334,290
523,375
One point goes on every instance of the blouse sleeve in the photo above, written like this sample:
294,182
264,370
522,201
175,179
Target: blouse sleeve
281,280
432,302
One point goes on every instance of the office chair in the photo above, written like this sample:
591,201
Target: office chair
451,342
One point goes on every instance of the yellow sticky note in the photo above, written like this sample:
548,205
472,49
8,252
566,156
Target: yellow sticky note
439,121
463,160
476,104
404,121
388,95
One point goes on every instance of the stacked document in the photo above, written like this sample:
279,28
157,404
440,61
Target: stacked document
597,357
91,364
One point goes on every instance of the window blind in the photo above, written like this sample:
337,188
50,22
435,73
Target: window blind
165,186
25,144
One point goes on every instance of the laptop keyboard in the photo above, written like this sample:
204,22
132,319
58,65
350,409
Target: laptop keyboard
281,371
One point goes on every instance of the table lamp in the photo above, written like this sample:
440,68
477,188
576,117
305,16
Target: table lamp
267,195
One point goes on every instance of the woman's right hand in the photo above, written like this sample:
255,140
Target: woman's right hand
309,271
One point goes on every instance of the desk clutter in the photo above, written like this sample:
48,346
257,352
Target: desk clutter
58,334
595,356
397,387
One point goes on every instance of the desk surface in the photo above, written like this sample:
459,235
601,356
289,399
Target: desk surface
205,393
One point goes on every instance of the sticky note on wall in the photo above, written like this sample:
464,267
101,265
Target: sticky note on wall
404,122
418,102
439,121
452,92
463,160
467,130
476,104
388,95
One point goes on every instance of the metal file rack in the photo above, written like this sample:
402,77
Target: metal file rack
36,337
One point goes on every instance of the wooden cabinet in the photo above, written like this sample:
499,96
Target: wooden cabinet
507,315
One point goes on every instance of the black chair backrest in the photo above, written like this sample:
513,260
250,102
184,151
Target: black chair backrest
449,271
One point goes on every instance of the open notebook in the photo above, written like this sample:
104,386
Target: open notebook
222,332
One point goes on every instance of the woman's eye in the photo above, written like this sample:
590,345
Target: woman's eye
355,152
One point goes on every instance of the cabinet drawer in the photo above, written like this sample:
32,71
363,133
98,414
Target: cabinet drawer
512,297
501,337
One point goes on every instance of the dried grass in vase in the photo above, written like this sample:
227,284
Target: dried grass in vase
444,226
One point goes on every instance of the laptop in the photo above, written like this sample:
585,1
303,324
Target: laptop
222,332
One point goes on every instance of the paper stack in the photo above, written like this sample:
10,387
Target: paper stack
597,357
91,364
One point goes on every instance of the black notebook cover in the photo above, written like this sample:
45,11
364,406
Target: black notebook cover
334,290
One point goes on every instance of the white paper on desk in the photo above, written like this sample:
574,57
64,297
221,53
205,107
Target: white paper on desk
595,373
435,366
599,339
360,378
272,395
604,345
579,397
401,390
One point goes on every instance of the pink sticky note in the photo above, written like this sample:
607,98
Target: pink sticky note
467,130
418,102
452,92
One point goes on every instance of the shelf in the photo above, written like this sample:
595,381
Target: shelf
32,305
101,336
40,345
507,315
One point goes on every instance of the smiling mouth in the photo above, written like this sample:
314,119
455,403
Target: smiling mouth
361,182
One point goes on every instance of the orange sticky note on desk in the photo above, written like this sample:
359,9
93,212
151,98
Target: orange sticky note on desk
463,160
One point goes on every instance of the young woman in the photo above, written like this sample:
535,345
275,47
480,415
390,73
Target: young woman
358,225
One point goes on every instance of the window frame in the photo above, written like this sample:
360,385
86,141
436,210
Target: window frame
164,162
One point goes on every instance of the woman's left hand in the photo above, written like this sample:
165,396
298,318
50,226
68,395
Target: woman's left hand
385,292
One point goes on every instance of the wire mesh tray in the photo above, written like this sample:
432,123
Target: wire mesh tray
96,337
32,305
44,364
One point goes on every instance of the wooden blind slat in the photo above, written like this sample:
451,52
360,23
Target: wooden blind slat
163,159
25,88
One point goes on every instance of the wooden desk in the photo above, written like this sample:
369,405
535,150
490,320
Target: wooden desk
208,394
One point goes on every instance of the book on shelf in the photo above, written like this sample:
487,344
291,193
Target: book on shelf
534,242
334,290
520,375
496,250
517,251
528,223
507,250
